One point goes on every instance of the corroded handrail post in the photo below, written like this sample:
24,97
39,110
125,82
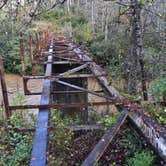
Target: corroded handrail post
4,90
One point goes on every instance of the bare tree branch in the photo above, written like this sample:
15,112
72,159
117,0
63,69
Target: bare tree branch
4,3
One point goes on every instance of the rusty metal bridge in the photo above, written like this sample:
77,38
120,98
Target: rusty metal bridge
67,70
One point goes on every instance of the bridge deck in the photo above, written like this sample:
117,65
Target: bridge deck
67,69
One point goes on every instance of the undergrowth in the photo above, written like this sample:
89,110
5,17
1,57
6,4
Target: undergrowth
157,112
15,147
68,148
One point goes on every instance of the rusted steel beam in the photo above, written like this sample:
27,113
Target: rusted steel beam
31,54
60,57
65,76
19,130
64,105
59,92
85,90
41,42
32,93
75,76
66,58
53,78
78,76
37,47
95,69
4,90
154,133
25,86
76,91
74,70
39,150
22,56
58,63
101,146
46,37
73,128
61,48
131,105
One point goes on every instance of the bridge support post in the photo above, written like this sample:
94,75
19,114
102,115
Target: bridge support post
4,90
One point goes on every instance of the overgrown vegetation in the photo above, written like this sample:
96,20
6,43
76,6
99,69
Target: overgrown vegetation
157,112
67,147
158,89
128,147
105,29
15,147
141,159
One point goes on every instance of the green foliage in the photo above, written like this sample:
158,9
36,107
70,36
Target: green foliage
82,34
132,97
104,52
158,88
10,51
10,48
58,119
75,20
16,147
59,139
137,153
107,120
152,54
131,142
141,159
51,15
110,53
145,3
157,112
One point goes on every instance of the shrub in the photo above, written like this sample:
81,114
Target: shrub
107,120
141,159
158,89
82,34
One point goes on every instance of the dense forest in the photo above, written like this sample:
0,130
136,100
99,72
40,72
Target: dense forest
125,37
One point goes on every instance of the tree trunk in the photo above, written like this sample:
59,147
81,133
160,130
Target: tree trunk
139,50
106,22
92,15
133,56
136,51
68,5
